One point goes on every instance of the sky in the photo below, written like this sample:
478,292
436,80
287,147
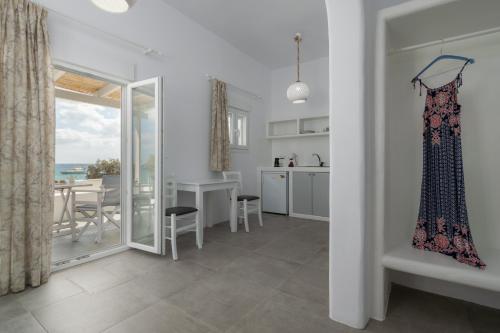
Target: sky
86,132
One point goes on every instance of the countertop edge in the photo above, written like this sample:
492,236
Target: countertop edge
295,169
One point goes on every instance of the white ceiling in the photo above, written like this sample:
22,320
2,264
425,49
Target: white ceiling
264,29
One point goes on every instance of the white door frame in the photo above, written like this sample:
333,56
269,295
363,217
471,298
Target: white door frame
156,248
64,65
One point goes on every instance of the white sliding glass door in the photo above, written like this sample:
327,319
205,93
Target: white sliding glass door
144,108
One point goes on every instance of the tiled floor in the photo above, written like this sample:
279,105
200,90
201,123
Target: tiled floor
274,279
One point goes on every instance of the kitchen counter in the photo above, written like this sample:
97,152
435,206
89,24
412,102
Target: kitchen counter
304,190
296,169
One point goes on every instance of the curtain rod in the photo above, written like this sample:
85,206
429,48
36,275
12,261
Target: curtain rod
445,40
211,77
144,49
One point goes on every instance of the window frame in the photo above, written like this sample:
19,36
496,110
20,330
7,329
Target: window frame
233,114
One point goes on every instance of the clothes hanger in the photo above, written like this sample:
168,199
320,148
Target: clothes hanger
441,73
443,57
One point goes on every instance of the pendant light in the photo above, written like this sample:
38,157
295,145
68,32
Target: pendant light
114,6
298,92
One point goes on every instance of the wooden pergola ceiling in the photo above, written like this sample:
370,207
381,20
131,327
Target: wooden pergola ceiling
86,89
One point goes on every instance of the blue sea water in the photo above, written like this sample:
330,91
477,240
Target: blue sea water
61,167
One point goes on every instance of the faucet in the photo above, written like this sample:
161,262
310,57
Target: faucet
319,159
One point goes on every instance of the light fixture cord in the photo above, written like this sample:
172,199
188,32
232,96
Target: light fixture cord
297,39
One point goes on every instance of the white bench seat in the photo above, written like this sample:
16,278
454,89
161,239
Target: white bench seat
407,259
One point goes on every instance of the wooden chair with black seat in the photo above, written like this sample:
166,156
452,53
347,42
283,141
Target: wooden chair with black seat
179,219
246,203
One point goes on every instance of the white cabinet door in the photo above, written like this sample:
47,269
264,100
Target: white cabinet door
275,192
302,193
320,194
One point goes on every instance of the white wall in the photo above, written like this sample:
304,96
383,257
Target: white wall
191,52
315,74
347,172
353,169
371,9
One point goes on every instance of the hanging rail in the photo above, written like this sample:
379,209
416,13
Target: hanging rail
211,77
144,49
445,40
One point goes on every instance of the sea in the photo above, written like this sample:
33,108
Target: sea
67,166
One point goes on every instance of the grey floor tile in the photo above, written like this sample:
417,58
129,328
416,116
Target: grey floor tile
275,226
423,310
213,255
94,312
158,318
315,232
387,326
21,324
185,243
165,280
282,222
132,263
306,291
415,311
483,319
249,241
298,252
415,327
10,307
285,313
221,299
56,289
313,276
271,223
320,260
253,224
93,277
262,270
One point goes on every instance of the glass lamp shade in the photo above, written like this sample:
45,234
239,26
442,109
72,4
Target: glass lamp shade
114,6
298,92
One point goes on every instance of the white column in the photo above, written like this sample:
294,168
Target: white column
348,297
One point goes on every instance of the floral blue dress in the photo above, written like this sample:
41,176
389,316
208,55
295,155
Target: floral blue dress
442,224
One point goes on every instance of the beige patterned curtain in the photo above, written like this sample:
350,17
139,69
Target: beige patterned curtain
26,146
219,141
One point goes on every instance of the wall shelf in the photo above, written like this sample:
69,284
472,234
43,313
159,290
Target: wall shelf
296,135
300,127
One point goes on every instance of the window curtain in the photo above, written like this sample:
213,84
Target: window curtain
219,141
26,146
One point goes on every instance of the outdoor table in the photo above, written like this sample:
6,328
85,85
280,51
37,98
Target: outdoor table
65,191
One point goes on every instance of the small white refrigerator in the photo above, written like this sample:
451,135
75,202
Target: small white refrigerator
274,190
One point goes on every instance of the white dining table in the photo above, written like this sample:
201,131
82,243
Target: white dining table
199,187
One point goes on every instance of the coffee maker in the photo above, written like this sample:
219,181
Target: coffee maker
277,161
